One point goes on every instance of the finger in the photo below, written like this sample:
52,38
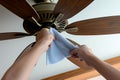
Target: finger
46,29
75,55
74,51
50,45
81,59
43,29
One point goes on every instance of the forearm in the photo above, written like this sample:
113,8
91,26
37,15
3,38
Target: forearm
22,68
106,70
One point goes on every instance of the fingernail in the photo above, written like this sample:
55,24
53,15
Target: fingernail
81,59
75,55
50,45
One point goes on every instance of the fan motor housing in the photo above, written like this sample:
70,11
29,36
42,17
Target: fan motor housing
47,18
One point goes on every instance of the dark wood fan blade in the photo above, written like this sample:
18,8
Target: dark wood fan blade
70,7
25,51
97,26
79,63
20,8
75,43
12,35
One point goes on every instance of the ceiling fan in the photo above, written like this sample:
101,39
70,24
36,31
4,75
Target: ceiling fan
45,13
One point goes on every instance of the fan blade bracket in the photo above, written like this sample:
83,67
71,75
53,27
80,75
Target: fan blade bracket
72,29
38,1
59,17
33,20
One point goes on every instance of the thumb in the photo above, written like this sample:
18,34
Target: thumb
74,53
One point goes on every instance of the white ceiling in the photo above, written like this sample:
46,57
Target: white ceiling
104,46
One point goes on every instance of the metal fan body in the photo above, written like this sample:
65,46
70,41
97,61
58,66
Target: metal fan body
47,18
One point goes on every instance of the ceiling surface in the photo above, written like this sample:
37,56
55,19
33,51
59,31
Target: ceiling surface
103,46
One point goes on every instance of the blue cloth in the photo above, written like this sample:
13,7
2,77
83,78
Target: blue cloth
59,49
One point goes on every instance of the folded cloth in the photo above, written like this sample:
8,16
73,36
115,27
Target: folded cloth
60,48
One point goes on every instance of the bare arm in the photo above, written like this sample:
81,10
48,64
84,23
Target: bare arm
23,66
106,70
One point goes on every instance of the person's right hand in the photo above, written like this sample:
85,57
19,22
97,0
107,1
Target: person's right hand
83,53
45,36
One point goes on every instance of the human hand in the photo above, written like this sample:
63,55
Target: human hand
83,53
44,36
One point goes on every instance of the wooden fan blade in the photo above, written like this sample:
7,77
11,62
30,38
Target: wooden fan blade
20,8
12,35
70,7
97,26
79,63
25,51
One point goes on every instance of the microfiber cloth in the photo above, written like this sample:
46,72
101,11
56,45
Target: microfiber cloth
60,48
